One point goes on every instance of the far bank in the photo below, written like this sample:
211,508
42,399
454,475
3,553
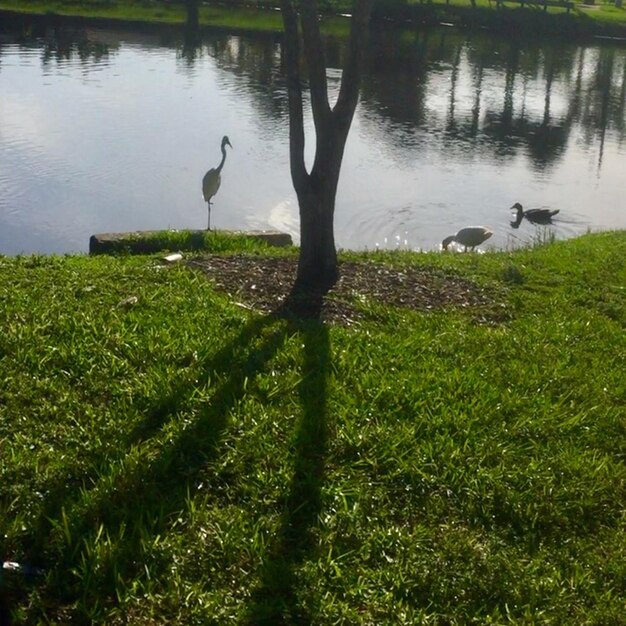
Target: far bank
559,18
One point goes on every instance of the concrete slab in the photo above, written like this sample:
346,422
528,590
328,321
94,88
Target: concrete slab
146,241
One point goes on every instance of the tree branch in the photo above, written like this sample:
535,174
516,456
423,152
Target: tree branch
291,48
314,51
351,76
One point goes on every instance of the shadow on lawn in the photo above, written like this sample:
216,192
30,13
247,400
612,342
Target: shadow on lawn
136,499
275,600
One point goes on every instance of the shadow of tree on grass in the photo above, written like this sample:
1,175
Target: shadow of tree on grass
275,601
137,496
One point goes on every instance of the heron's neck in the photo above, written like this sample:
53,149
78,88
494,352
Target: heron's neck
221,165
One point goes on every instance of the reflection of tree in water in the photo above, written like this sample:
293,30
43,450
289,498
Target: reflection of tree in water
191,36
604,100
255,58
395,86
393,92
547,140
402,66
64,49
59,40
513,129
451,122
523,122
403,69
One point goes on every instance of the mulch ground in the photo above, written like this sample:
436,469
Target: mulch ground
263,283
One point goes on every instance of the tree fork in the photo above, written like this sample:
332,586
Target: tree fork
316,191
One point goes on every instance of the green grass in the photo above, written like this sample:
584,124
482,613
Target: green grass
169,457
157,12
602,17
146,242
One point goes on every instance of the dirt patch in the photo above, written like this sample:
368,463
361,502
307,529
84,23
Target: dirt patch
263,283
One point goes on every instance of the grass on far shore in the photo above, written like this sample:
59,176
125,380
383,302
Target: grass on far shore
158,12
584,17
171,457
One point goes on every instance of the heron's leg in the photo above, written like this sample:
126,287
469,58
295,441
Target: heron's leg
209,223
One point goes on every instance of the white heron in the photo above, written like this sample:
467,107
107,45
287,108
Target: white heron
469,237
212,179
536,216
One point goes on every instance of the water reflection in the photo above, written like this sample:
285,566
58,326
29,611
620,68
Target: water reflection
114,130
497,95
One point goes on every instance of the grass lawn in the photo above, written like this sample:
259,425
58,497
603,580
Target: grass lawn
169,456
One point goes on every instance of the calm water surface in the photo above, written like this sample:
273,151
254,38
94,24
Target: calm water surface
106,131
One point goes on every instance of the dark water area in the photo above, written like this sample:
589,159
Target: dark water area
105,130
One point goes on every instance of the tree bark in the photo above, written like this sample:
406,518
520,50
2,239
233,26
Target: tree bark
317,263
316,190
193,15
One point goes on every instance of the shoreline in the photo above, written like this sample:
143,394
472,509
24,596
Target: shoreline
505,20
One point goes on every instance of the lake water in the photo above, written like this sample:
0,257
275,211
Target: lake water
105,131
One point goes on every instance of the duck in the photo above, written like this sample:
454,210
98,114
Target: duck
469,237
536,216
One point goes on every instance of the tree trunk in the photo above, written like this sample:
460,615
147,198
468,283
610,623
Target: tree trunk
316,191
317,264
193,15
